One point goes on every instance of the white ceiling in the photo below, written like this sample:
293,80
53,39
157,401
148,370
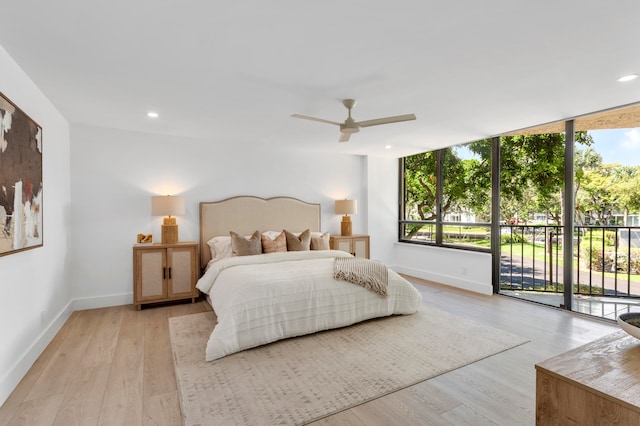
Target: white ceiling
234,72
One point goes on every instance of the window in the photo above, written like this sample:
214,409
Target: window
447,197
419,204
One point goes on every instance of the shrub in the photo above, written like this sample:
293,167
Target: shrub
513,238
606,261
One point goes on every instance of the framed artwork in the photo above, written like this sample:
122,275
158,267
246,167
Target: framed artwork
20,180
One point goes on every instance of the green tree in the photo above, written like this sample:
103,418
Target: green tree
477,183
626,190
420,178
420,186
584,159
597,196
532,178
531,166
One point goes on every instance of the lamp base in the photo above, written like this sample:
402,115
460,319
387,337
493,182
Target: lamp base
169,231
345,226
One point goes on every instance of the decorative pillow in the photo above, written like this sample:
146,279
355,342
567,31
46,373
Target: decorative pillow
242,246
272,245
298,243
320,242
220,247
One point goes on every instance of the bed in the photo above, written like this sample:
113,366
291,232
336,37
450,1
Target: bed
261,298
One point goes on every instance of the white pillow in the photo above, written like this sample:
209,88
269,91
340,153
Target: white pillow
272,235
220,247
313,234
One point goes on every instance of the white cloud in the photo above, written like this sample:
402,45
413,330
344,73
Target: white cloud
631,140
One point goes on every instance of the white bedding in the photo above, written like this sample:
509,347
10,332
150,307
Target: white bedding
263,298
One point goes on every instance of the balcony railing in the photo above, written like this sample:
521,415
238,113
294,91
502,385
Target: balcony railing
606,260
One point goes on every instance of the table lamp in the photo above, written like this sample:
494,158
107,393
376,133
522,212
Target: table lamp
346,207
168,206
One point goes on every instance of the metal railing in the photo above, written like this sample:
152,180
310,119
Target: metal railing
606,260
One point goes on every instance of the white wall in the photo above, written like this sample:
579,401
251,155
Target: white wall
464,269
115,173
383,207
35,284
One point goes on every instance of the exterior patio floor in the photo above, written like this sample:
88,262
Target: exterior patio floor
603,307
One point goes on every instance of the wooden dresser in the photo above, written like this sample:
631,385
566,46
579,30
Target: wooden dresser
595,384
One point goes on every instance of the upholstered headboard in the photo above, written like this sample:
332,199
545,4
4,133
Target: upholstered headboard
246,214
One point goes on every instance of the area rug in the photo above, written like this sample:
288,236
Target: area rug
300,380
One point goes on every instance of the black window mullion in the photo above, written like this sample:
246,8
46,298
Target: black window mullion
402,198
439,191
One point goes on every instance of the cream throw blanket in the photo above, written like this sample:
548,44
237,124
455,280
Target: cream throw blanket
363,272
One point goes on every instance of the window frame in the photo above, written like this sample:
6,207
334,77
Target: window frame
439,223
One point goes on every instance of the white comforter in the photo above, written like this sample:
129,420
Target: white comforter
263,298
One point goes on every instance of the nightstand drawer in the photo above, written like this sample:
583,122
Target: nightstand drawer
357,244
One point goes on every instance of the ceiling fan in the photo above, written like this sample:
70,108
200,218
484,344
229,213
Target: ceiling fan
351,126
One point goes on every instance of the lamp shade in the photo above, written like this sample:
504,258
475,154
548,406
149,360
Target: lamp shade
346,207
167,205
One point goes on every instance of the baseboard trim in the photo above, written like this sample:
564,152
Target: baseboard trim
477,287
11,379
102,301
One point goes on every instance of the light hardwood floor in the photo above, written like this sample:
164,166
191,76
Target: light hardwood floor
113,366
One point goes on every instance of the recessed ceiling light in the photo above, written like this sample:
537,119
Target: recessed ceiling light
152,114
628,77
387,147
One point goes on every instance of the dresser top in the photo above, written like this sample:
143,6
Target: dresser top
610,366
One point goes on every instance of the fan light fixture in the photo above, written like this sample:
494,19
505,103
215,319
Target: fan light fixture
351,126
627,77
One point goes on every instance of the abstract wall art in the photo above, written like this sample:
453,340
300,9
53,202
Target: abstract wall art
20,180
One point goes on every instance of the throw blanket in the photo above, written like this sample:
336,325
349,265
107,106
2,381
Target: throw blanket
363,272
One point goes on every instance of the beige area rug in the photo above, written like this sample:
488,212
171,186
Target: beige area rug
297,381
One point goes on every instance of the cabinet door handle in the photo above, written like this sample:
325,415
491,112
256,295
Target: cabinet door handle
164,273
169,273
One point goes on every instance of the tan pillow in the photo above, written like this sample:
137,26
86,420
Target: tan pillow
269,245
242,246
301,243
320,242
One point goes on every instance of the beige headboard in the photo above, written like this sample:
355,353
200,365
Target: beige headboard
246,214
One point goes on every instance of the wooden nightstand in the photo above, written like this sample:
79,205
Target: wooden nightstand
164,272
356,244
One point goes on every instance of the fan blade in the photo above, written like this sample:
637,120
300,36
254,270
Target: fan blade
344,137
306,117
387,120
